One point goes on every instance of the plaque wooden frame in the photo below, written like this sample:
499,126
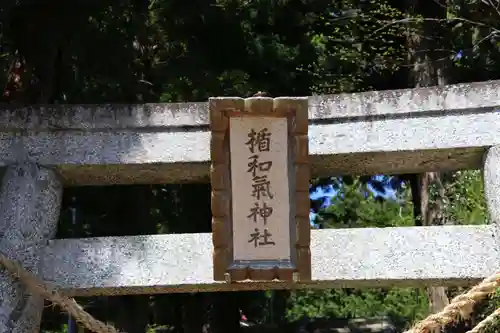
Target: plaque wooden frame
221,109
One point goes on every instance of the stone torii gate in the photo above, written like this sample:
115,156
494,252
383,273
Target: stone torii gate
44,148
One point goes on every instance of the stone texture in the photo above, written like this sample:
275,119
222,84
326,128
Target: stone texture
492,182
390,131
458,98
492,188
30,202
399,131
461,98
450,255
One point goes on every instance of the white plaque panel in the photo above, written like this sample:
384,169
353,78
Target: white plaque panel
260,188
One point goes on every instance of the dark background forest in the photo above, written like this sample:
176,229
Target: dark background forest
144,51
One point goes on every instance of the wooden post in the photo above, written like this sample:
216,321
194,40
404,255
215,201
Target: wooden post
30,201
260,189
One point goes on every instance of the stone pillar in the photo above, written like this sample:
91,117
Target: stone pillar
491,176
30,201
492,183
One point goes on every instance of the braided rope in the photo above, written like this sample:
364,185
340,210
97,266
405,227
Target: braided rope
485,322
67,304
460,307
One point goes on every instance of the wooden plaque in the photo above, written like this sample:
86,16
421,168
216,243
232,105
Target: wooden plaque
260,189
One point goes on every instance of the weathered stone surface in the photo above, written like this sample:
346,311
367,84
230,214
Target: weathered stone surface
399,131
30,201
454,255
458,98
492,182
492,188
463,98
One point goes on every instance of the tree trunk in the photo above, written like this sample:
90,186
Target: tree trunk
129,313
279,306
30,203
428,69
193,318
225,314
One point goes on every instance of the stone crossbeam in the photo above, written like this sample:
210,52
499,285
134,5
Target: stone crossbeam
371,257
398,131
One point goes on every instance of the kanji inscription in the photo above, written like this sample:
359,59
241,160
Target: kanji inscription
260,191
259,175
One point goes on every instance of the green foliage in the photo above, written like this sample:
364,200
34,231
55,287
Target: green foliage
63,329
401,305
466,202
354,46
170,51
487,307
355,206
